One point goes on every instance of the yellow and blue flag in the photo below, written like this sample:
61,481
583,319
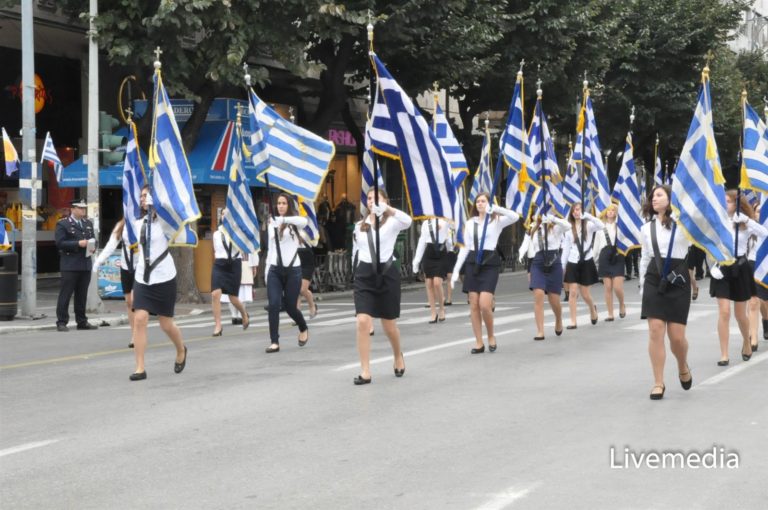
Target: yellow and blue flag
11,156
698,195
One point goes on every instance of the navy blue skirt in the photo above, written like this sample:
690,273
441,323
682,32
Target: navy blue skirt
547,272
158,298
226,276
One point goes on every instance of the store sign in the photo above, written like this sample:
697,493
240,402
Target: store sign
42,96
342,138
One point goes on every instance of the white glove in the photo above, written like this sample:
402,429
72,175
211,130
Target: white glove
148,201
278,220
587,216
490,208
740,218
547,219
379,209
95,268
521,256
266,273
454,278
715,272
415,268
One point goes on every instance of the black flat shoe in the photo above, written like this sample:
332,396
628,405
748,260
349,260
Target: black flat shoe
441,320
302,343
492,347
130,345
594,321
246,321
687,384
178,367
371,333
361,380
218,333
138,376
558,333
608,319
658,396
399,372
571,327
723,363
622,315
447,303
746,357
477,350
271,349
754,348
541,337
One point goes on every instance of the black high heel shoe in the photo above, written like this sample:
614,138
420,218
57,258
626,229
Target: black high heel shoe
399,372
433,321
219,332
247,321
302,343
594,321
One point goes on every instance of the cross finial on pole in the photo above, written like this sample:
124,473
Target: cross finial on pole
708,58
632,116
157,53
290,115
585,83
247,74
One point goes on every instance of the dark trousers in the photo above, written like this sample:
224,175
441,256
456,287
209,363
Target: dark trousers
73,282
283,287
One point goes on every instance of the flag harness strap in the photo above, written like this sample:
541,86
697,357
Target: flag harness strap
148,268
437,248
280,253
372,249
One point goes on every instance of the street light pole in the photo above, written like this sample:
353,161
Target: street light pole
93,303
29,210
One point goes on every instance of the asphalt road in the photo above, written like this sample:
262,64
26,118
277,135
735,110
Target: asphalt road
529,426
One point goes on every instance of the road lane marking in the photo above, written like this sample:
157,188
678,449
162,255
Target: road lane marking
643,326
26,446
423,350
507,498
727,374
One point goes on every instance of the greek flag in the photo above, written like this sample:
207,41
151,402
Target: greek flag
598,176
172,193
307,209
658,171
754,169
11,156
698,196
761,256
381,129
367,174
521,202
512,143
427,173
133,180
627,195
50,155
448,142
483,181
240,223
460,214
544,162
572,183
262,117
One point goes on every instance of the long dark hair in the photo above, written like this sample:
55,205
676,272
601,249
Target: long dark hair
648,211
364,225
291,211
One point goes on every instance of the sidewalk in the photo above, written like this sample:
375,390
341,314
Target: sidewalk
115,313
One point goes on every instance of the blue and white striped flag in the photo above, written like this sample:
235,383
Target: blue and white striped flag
483,180
658,171
50,155
698,196
460,214
513,141
755,152
521,202
241,224
572,183
134,179
598,176
626,194
366,182
761,255
262,117
381,129
172,193
544,162
427,173
449,143
307,209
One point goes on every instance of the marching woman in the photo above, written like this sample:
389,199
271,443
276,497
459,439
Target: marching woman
226,277
377,292
307,259
610,263
482,270
448,262
154,289
433,247
735,283
284,270
665,289
547,270
580,269
250,267
128,261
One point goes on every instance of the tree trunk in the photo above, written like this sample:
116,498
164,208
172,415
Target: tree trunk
191,130
186,288
334,93
346,114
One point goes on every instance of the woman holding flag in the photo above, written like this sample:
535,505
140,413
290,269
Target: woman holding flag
226,277
377,290
610,263
665,289
433,248
284,270
580,269
735,283
481,235
154,288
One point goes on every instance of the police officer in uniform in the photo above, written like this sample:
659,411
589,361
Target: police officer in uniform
72,236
